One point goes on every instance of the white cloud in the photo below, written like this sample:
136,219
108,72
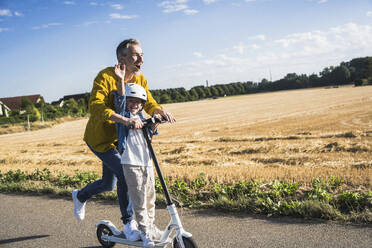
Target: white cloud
305,52
117,6
87,23
198,54
248,1
5,12
16,13
209,1
93,3
190,11
369,13
322,1
119,16
254,46
173,6
44,26
239,48
257,37
69,2
3,29
316,38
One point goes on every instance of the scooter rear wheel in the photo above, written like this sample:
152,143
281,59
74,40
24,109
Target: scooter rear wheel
189,243
104,230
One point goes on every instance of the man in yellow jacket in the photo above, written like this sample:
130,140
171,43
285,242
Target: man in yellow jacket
100,133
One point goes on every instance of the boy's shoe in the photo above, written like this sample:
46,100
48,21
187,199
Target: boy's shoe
79,207
156,233
147,241
131,232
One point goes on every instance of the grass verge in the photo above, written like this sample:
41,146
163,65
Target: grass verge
327,199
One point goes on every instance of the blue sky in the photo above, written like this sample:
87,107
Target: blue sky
57,47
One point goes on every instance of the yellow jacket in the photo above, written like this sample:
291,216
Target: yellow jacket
100,132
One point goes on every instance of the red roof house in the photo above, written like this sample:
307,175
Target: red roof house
15,103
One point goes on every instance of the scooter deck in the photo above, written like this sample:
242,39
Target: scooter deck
122,240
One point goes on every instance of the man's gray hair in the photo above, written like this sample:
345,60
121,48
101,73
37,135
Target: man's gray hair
122,48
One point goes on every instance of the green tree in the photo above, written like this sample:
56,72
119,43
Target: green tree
193,95
33,113
314,80
82,105
51,112
231,89
367,69
200,91
184,93
221,91
26,102
238,87
208,92
214,91
225,89
165,98
325,75
340,75
71,107
176,96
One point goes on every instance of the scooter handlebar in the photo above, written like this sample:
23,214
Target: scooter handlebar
153,120
150,121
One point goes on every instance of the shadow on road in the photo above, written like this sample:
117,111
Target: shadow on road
19,239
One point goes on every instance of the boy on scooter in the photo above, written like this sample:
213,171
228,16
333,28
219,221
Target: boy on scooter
136,160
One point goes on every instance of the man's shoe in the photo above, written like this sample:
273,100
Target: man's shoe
156,233
131,232
147,241
79,207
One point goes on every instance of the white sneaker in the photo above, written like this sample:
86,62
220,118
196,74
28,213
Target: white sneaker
79,207
156,233
131,232
147,241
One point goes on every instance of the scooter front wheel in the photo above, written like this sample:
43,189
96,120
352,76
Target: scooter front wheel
189,243
104,230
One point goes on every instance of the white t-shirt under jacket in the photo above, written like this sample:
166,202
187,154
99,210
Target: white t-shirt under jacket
136,151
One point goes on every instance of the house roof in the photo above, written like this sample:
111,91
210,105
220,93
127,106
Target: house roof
76,97
15,103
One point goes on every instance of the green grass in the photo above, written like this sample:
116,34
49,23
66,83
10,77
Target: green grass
326,199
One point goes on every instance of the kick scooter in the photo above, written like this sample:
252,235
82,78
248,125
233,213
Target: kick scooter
108,235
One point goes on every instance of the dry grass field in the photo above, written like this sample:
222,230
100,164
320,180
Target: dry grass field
291,135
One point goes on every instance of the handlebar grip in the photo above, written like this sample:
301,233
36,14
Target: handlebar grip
152,120
148,121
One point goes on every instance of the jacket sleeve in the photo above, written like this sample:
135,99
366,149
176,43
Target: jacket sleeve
99,99
151,104
119,103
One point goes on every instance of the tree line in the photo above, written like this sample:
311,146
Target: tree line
358,71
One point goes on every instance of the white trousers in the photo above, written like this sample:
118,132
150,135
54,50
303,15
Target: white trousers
141,187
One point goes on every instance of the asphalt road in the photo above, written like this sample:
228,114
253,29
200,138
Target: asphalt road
44,221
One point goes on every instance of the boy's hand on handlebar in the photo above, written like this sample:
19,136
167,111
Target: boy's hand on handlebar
165,115
135,123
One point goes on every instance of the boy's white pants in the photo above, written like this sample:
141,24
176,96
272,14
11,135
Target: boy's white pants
141,187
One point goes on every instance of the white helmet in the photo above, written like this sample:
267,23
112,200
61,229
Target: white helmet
135,90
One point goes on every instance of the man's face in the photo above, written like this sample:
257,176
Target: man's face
133,60
134,105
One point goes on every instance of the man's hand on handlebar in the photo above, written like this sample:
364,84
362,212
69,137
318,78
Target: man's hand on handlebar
165,115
